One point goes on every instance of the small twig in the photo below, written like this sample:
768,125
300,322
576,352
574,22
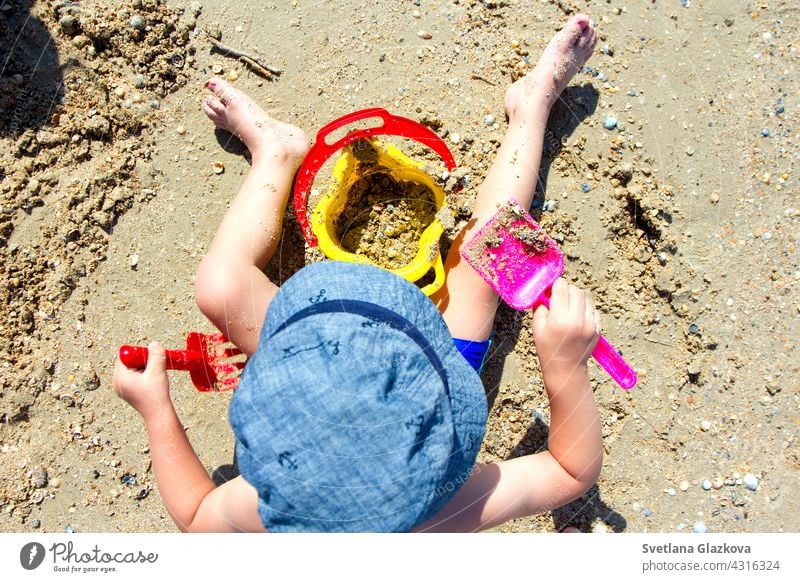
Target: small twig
652,341
262,69
479,78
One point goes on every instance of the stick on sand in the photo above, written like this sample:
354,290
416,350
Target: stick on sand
262,69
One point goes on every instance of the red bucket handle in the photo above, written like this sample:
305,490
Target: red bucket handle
320,152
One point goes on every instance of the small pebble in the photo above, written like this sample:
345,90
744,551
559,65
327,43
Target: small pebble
714,198
455,138
690,151
70,25
779,108
139,81
489,119
684,486
750,481
671,492
216,68
81,41
600,527
134,260
138,22
610,122
36,523
765,132
128,479
55,482
424,34
155,104
706,485
694,328
233,75
549,205
416,13
219,167
699,527
647,512
585,187
181,130
705,425
717,483
68,529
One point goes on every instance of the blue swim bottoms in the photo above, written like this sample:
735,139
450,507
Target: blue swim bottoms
474,352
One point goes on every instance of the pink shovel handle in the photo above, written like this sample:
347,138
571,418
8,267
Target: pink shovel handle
609,358
605,355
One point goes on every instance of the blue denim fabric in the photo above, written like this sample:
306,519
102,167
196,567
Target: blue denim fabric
357,412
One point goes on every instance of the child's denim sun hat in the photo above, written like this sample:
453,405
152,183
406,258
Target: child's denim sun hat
356,413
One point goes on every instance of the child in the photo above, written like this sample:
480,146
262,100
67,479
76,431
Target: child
355,411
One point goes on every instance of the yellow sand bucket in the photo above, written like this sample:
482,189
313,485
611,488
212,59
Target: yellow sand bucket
321,230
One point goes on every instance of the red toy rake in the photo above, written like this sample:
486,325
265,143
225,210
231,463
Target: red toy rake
212,361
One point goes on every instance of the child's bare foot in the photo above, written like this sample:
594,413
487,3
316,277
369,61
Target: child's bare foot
564,56
233,111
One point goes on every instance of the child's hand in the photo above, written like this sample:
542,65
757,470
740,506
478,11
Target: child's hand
146,390
566,334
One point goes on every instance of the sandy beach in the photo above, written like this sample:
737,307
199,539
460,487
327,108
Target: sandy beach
669,180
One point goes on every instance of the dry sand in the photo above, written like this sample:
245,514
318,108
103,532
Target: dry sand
682,221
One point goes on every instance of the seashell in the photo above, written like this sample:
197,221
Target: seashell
39,477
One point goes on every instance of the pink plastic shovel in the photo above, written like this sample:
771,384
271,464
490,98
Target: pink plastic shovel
520,262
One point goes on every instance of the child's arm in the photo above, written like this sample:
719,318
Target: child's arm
189,494
565,337
494,493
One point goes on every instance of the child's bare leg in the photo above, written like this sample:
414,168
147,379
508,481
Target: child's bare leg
230,286
467,303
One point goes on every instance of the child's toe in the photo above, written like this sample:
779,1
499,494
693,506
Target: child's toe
222,89
214,104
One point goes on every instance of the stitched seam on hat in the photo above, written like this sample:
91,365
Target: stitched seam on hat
378,314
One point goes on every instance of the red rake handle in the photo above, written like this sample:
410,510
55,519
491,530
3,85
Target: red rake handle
136,357
321,151
610,360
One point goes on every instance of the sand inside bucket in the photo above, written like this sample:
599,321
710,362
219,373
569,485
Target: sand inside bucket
384,218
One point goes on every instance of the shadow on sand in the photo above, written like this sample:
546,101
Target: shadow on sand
31,77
